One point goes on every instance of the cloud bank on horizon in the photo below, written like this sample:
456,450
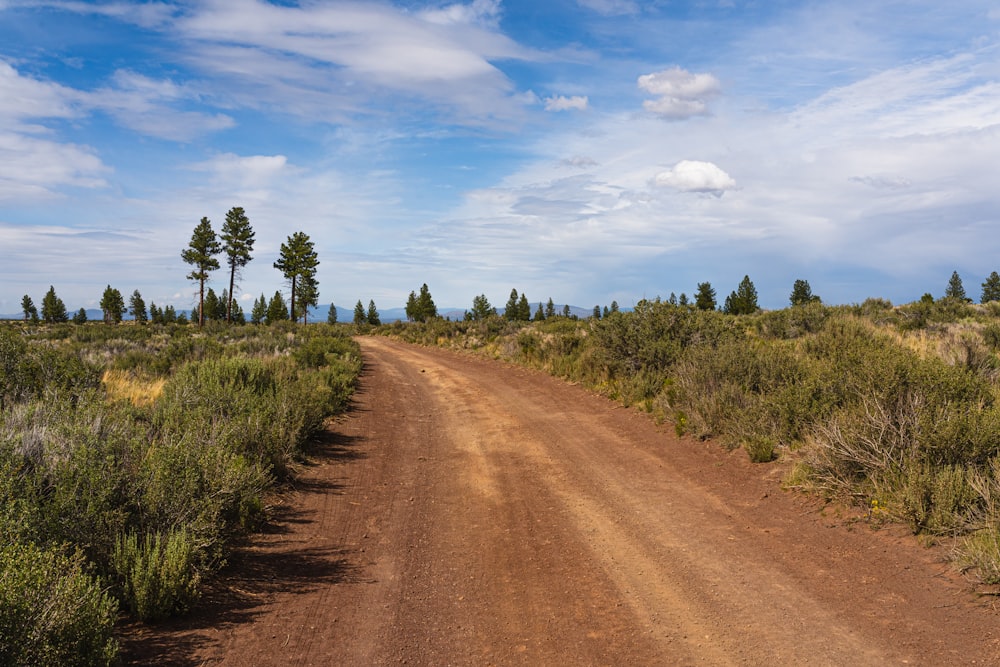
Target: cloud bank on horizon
587,150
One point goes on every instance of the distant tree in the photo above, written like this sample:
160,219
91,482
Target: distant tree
238,317
550,309
597,313
180,317
155,314
28,307
411,307
113,305
955,290
237,243
607,311
510,310
359,313
673,299
481,309
331,315
297,260
200,254
53,308
744,300
426,309
991,288
802,294
372,316
523,309
277,309
614,306
258,314
80,317
539,313
308,296
213,307
704,298
169,315
682,300
137,307
566,312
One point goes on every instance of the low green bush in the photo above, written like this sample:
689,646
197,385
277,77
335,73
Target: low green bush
52,613
157,574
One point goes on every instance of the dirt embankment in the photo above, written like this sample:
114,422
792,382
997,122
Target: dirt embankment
471,513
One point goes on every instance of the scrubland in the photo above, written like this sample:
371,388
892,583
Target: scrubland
132,460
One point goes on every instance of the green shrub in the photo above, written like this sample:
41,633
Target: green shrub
51,611
760,449
157,574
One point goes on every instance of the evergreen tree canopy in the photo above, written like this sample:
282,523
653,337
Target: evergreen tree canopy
297,260
550,309
510,310
359,313
744,300
704,298
331,315
53,308
137,307
28,307
237,243
991,288
540,313
597,313
200,254
372,316
113,305
308,296
259,312
955,290
277,309
566,312
523,309
80,317
426,309
802,294
481,309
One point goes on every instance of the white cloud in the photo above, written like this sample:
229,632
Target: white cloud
562,103
483,12
696,176
682,94
611,7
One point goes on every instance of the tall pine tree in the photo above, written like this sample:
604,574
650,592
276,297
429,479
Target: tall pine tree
237,242
200,254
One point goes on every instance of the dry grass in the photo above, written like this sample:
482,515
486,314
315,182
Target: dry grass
141,392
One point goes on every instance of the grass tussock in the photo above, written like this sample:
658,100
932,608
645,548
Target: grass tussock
124,386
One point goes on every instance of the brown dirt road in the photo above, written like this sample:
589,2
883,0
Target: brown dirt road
467,512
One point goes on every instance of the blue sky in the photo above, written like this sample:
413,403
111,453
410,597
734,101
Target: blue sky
583,150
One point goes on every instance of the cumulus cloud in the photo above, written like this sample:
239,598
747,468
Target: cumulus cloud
681,94
696,176
483,12
562,103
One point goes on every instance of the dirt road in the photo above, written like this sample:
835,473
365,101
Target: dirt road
471,513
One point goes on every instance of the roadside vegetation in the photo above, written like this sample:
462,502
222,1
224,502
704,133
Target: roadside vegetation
134,457
894,409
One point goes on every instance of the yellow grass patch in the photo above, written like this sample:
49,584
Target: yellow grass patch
122,385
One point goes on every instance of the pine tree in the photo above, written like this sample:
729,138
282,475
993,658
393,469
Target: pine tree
113,305
308,296
298,260
372,317
704,298
200,254
673,299
481,309
277,310
550,309
259,312
566,312
411,307
238,238
137,307
682,300
169,315
155,314
359,313
597,313
80,317
53,308
955,290
523,309
27,307
426,309
540,313
331,315
614,306
510,310
802,294
744,300
991,288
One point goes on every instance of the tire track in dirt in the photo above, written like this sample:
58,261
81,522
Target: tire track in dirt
468,512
